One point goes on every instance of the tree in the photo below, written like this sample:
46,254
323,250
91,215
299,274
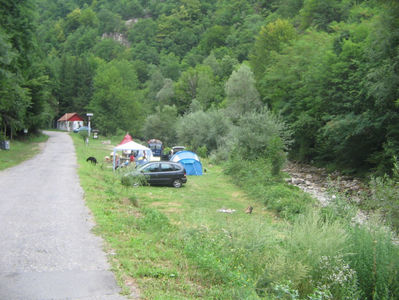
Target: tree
200,128
241,93
166,93
320,13
271,39
161,125
261,135
20,83
116,100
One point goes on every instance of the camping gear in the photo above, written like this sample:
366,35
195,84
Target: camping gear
132,146
190,161
126,139
156,147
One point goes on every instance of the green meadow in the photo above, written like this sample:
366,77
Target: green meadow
175,243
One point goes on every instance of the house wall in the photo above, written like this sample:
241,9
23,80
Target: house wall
69,126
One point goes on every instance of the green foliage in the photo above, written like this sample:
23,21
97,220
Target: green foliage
161,125
270,39
257,179
320,13
384,196
329,67
261,134
133,199
202,129
197,84
23,84
376,261
153,220
116,100
241,94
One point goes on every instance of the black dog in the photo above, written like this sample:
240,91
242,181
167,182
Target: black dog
92,159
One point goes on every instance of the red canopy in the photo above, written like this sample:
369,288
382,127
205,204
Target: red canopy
126,139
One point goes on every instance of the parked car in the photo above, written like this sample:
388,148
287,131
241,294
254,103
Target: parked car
176,149
83,128
162,173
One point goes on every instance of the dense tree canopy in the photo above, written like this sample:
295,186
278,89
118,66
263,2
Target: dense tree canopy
329,68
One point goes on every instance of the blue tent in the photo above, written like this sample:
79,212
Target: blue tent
190,161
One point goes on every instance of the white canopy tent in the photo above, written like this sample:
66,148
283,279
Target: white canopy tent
133,146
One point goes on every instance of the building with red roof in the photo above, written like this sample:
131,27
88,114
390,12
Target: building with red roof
69,122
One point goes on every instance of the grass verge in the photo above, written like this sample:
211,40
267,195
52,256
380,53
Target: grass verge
175,244
21,150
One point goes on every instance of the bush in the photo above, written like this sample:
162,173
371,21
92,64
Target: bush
133,180
261,135
301,257
384,195
202,128
376,261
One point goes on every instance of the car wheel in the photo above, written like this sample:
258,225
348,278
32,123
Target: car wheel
177,183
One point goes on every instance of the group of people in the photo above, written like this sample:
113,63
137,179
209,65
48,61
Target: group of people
128,158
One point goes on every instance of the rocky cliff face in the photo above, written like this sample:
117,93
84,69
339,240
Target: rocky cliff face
119,37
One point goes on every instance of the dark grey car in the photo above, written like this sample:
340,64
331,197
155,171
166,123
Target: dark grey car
163,173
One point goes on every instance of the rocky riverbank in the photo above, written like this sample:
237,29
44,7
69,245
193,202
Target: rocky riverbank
324,186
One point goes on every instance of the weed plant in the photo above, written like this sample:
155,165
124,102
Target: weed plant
375,259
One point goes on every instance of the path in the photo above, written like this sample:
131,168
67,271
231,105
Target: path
47,250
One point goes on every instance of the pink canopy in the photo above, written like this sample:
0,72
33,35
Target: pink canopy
126,139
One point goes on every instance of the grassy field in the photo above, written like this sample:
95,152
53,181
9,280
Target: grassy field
21,150
175,244
167,240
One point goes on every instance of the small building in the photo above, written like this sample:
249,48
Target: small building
69,122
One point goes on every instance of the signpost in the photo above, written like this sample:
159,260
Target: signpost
88,123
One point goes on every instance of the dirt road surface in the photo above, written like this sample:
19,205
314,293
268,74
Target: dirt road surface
47,250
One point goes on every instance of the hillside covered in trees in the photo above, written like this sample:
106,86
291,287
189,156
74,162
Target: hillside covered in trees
216,75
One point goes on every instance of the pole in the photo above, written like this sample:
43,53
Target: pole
89,126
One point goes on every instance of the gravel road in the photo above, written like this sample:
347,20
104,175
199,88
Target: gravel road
47,250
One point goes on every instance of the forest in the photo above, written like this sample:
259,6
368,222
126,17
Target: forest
317,79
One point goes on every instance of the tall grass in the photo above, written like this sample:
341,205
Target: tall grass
322,252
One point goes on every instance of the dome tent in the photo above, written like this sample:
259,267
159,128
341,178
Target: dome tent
190,162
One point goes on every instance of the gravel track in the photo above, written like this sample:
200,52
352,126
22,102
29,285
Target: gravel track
47,250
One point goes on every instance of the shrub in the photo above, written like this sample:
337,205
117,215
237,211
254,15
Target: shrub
202,128
385,196
202,151
261,134
133,180
376,261
301,254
